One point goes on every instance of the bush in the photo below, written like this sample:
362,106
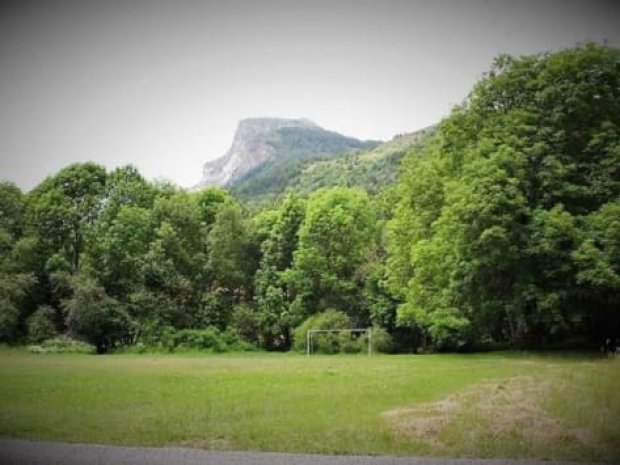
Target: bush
381,341
214,310
349,343
13,289
245,322
41,324
9,320
235,344
327,342
62,344
208,339
202,339
94,316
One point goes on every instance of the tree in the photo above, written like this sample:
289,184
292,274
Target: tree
229,262
62,207
485,242
245,323
334,239
210,201
11,209
116,250
597,260
13,288
327,343
42,324
169,295
272,293
126,187
94,316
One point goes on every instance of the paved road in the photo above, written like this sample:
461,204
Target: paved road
20,452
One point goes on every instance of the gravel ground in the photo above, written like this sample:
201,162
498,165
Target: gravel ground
20,452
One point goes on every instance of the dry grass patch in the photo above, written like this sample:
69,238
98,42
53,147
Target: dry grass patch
506,418
425,422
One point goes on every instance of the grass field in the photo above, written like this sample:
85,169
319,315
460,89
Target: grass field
486,405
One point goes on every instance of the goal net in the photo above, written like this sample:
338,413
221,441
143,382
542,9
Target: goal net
344,339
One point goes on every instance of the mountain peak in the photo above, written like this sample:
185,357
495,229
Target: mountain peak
259,140
274,123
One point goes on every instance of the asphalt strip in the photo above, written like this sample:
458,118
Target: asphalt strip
22,452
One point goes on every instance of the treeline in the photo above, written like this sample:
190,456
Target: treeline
503,229
508,228
113,259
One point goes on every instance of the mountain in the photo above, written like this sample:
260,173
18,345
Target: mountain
262,145
371,168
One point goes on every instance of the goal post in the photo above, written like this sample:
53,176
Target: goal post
311,332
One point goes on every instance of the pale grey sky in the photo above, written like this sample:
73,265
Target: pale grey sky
162,84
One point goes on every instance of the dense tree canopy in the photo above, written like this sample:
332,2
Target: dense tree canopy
333,240
492,236
503,229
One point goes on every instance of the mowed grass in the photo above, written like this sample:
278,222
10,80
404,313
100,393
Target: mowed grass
486,405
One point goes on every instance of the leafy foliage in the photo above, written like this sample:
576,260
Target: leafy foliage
503,228
94,316
333,241
324,342
42,324
272,292
13,288
62,344
488,237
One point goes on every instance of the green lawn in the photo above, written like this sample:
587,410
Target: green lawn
490,405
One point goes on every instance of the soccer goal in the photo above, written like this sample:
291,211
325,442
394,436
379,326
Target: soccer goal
311,332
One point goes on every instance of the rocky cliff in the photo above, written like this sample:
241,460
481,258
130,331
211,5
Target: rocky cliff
261,140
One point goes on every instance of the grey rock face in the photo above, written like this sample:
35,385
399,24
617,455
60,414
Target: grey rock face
251,147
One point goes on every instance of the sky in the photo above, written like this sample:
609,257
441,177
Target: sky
162,85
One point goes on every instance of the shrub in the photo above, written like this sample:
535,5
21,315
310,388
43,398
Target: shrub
202,339
350,343
214,310
62,344
41,324
245,322
96,317
208,339
381,341
13,289
327,342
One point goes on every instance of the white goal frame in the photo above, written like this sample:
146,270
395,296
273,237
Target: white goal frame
311,332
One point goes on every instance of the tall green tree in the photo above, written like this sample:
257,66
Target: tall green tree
210,200
487,239
334,239
597,260
94,316
229,262
273,295
63,206
117,248
11,209
13,289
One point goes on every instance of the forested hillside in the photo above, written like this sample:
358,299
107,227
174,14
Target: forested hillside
372,170
295,149
503,228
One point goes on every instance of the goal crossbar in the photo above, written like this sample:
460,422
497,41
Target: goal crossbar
310,332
